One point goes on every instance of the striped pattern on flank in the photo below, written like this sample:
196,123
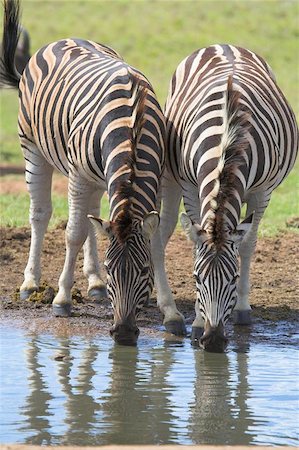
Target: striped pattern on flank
77,104
198,139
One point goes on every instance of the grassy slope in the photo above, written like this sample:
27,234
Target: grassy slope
156,35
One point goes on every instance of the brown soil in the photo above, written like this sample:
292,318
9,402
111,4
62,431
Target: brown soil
274,277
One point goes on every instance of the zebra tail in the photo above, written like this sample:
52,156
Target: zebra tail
11,33
25,44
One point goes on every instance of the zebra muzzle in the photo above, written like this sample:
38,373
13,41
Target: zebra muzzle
213,339
126,332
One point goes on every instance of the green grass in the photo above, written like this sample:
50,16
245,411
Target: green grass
284,205
14,210
155,36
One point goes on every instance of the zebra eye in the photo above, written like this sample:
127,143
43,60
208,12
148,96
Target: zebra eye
196,276
144,271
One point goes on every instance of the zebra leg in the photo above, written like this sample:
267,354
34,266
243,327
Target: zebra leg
39,180
79,193
256,203
173,320
96,286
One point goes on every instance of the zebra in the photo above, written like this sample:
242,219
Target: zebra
96,119
231,139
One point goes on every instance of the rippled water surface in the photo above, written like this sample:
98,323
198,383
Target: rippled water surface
90,392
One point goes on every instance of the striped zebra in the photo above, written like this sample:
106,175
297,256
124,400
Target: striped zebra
94,118
231,140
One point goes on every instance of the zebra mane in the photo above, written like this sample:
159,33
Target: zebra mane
234,142
122,226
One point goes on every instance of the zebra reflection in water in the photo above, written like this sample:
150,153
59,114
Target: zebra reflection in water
36,406
94,394
219,412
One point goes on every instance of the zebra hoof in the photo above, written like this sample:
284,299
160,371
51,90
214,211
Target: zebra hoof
176,327
63,310
242,317
24,295
196,334
97,294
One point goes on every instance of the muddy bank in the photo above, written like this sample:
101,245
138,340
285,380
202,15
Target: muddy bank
274,278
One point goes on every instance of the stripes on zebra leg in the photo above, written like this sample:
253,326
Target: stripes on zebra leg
80,192
91,268
198,326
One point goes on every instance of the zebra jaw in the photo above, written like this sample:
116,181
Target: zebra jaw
213,338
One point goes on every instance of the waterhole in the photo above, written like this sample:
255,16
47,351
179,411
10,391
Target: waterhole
89,391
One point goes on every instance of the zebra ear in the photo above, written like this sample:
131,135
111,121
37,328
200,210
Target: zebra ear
192,230
242,229
101,226
150,224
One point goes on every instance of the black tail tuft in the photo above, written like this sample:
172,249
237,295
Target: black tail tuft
11,33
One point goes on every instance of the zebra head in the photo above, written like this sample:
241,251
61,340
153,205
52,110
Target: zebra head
130,273
216,271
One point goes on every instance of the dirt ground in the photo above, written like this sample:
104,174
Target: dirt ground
274,277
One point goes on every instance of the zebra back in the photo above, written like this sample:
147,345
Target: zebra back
87,109
230,131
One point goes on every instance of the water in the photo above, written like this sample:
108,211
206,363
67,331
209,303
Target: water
80,391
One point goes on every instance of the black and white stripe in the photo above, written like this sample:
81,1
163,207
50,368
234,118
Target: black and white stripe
96,119
231,139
